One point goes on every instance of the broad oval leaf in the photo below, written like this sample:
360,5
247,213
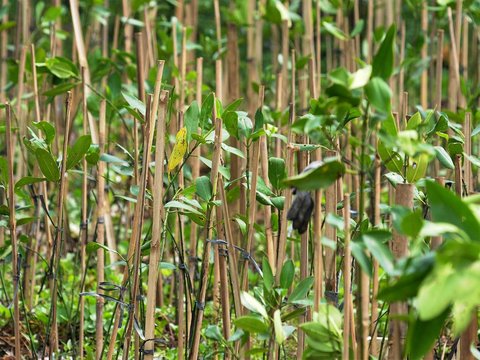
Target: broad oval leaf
78,150
319,178
253,304
47,165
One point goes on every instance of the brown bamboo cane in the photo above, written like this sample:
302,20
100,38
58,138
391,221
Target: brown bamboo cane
370,28
179,234
83,227
3,81
458,37
464,56
13,231
183,69
216,260
253,179
199,311
347,297
100,301
282,238
436,241
141,97
195,172
158,223
31,254
423,54
375,280
138,223
455,62
285,58
82,56
318,50
469,335
438,83
221,251
59,236
317,216
399,244
467,171
279,106
133,246
401,75
330,233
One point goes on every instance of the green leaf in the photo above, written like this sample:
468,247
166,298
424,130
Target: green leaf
252,324
92,246
135,103
61,67
277,324
47,165
78,150
112,159
287,274
230,119
47,129
203,188
374,241
268,279
334,30
301,290
191,120
422,334
60,89
253,304
383,61
276,172
319,178
449,208
206,112
28,180
213,332
379,94
361,77
182,207
444,158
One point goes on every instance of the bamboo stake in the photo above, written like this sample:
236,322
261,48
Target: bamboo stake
232,256
138,223
82,57
195,173
282,241
3,81
439,70
469,336
183,69
199,310
423,54
455,62
267,209
218,28
285,50
221,252
141,97
58,242
330,233
318,62
100,233
464,58
403,197
179,234
468,150
370,28
347,298
83,226
375,280
255,159
158,221
13,232
401,75
436,241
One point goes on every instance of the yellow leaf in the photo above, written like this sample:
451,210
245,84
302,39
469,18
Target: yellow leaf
179,149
